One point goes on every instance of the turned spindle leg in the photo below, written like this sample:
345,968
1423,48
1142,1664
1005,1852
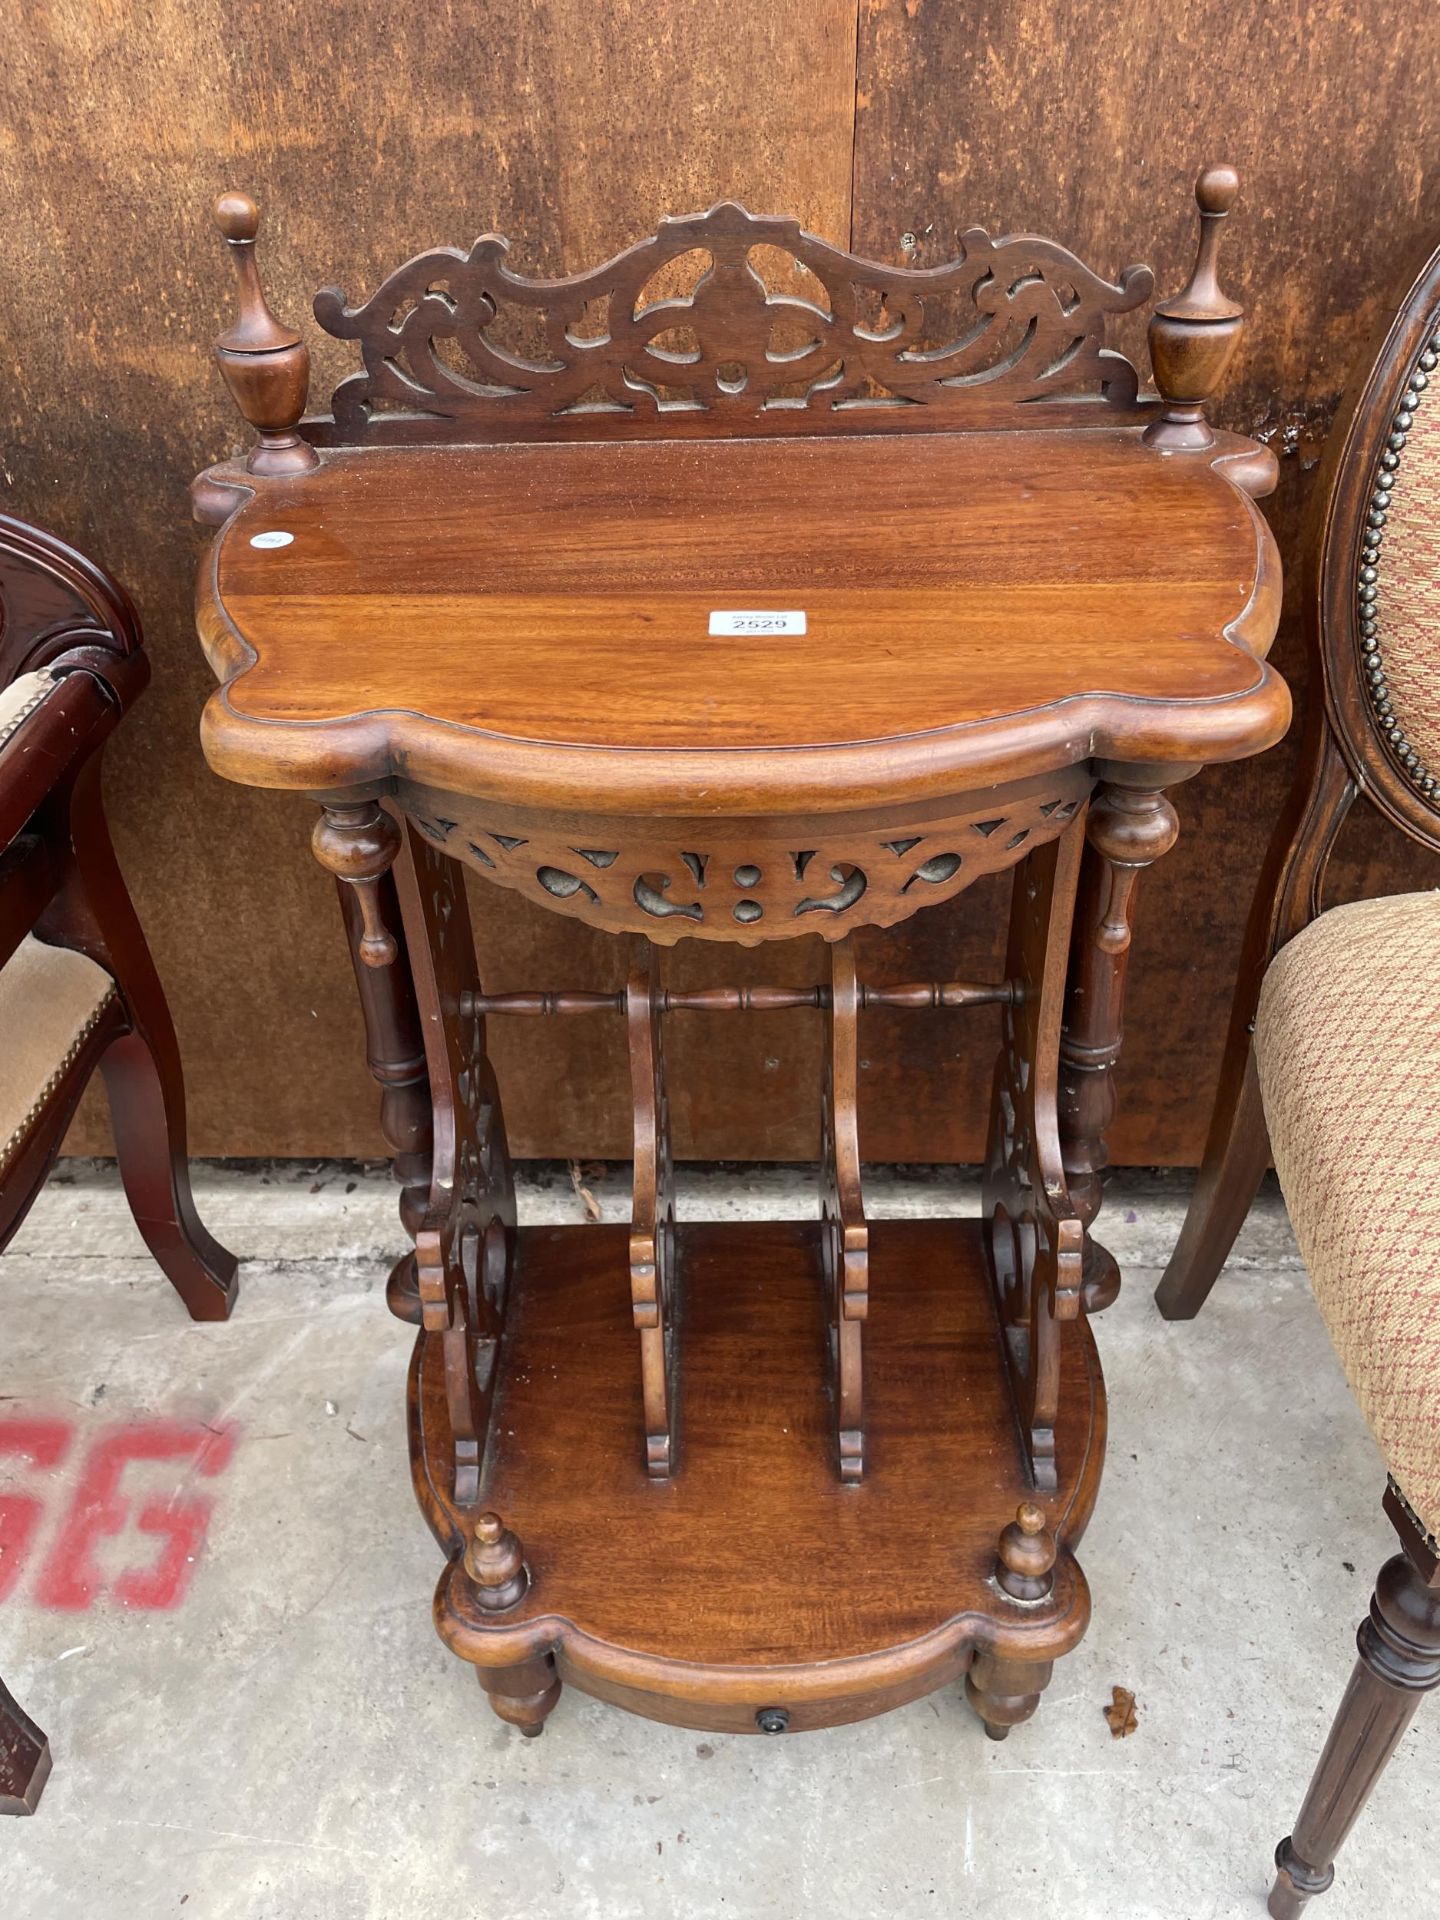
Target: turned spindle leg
1127,828
525,1694
1399,1663
358,845
1005,1692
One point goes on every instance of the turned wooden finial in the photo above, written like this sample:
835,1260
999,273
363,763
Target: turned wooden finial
265,363
1025,1565
496,1565
1194,335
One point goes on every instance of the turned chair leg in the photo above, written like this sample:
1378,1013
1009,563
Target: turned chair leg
1237,1152
1399,1662
94,913
24,1757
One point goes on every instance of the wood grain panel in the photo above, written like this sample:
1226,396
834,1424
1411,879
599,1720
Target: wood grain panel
1089,121
367,132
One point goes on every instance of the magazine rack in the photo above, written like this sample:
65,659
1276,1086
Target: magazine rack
742,590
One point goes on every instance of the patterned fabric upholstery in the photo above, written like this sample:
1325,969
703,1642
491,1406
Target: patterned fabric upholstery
22,696
50,998
1408,589
1347,1041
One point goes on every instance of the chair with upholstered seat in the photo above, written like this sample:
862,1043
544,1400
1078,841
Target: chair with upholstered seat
1333,1056
78,989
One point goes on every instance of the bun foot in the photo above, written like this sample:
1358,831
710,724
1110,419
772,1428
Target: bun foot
524,1696
1005,1692
1100,1286
402,1291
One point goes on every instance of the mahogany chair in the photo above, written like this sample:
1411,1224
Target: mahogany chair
78,989
1335,1035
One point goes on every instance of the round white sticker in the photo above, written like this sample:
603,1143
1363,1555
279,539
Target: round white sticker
271,539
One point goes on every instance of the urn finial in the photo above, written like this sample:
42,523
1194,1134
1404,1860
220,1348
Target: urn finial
1025,1564
495,1562
1193,335
265,363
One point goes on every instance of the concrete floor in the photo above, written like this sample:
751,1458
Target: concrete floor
268,1729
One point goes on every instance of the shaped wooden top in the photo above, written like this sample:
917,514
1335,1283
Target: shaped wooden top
533,623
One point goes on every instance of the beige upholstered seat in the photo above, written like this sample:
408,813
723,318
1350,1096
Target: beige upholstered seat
1347,1042
50,999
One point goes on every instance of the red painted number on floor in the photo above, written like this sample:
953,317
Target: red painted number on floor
133,1527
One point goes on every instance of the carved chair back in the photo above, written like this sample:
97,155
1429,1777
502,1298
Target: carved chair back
1372,590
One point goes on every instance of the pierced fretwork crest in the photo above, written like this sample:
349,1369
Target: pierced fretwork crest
701,326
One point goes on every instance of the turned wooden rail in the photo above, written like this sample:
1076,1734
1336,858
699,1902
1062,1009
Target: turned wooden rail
915,995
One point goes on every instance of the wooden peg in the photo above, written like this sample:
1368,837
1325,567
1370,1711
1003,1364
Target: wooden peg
496,1565
265,363
1194,335
1025,1565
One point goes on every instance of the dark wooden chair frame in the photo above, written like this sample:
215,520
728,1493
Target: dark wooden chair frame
60,880
1353,744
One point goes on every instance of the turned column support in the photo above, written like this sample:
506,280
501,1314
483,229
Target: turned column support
1129,826
1399,1647
358,844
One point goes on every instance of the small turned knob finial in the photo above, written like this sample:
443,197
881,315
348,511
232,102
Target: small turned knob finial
1194,334
1025,1566
265,363
237,217
1216,188
496,1565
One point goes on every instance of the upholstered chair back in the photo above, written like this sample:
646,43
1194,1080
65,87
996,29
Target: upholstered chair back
1375,570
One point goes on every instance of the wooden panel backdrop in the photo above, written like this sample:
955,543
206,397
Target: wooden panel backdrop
368,132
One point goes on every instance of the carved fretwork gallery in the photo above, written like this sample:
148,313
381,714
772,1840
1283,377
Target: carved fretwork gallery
504,609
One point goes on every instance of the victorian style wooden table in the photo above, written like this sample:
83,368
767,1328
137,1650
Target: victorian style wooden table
777,602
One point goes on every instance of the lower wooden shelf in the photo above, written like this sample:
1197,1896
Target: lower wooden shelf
753,1583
